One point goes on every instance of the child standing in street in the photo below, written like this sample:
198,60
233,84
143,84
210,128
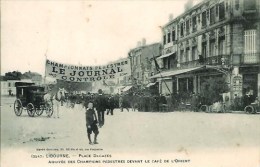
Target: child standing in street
91,123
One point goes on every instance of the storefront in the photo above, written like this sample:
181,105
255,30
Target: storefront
250,80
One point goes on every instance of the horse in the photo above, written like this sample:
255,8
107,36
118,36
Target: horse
56,99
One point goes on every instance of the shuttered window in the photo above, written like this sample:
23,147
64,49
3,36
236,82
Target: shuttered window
250,46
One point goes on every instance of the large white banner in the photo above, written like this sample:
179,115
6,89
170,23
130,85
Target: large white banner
76,73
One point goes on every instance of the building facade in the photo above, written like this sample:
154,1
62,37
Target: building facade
212,39
142,62
8,86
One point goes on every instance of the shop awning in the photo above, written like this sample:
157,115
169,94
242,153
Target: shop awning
175,72
166,55
127,88
150,84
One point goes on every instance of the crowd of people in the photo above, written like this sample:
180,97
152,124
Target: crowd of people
138,101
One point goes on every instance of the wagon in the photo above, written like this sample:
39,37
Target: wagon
31,98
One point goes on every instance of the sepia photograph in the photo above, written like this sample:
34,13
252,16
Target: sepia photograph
95,83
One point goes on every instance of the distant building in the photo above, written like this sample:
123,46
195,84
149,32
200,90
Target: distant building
8,83
142,62
34,76
8,86
212,39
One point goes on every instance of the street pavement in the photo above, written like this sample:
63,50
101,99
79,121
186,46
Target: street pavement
212,139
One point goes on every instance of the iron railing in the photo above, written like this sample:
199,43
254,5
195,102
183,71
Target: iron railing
250,58
213,60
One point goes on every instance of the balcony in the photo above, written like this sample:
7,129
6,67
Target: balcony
220,60
250,58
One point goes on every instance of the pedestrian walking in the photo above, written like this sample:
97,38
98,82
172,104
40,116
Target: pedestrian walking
100,105
122,103
111,105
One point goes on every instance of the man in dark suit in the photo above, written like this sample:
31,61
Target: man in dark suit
101,105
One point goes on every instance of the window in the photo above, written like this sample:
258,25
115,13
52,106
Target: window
222,11
164,39
172,61
173,35
204,18
250,5
237,4
221,46
250,41
137,60
182,56
204,49
187,54
212,48
9,84
182,29
194,53
194,24
169,37
187,27
166,63
212,15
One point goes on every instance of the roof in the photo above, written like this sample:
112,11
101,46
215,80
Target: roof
186,12
3,78
140,47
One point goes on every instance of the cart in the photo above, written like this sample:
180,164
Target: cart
31,98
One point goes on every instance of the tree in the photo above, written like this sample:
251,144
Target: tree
15,75
212,89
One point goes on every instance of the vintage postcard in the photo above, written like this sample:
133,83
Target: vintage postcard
130,83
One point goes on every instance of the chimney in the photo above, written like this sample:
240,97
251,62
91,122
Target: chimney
143,42
188,5
170,17
139,43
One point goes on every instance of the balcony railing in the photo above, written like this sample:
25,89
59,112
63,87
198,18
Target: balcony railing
218,60
250,58
222,60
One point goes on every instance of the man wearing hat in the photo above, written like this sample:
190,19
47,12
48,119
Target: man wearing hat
100,105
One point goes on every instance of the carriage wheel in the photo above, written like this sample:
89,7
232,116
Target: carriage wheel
49,111
204,108
18,107
30,109
249,109
39,111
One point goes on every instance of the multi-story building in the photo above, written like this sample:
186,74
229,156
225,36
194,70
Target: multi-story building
142,62
212,39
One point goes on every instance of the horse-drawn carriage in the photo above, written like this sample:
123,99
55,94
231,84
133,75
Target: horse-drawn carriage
31,98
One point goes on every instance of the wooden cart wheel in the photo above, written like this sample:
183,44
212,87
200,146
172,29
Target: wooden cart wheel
18,107
30,109
49,110
204,108
249,109
39,111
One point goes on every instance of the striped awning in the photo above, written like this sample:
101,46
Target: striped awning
175,72
166,55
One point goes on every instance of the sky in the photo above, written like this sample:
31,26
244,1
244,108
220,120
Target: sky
78,32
